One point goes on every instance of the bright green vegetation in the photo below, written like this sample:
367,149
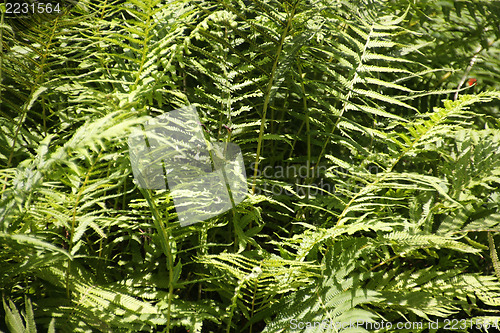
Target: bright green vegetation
393,217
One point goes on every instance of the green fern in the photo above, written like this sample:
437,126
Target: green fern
334,299
26,323
373,199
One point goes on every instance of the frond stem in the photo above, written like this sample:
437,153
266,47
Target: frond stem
268,96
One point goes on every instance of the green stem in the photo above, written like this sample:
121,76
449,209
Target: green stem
164,239
346,98
308,129
494,255
268,96
73,219
165,244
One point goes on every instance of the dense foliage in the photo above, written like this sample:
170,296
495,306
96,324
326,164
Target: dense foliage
370,131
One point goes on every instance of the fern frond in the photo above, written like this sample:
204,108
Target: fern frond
333,299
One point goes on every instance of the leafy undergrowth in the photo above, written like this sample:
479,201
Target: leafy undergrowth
373,166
